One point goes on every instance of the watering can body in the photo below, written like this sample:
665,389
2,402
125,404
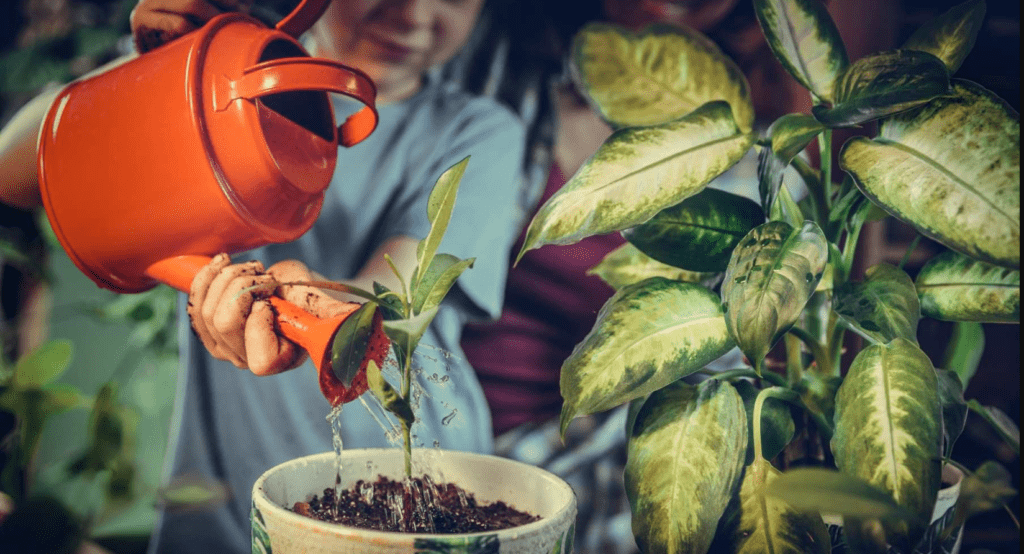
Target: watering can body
222,140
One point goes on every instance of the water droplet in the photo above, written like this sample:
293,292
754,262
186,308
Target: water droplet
437,444
448,418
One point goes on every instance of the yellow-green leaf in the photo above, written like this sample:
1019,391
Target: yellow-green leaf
700,232
882,307
440,204
770,278
769,525
951,169
685,458
437,280
637,173
804,38
950,36
888,430
646,336
627,265
884,84
832,492
648,78
954,287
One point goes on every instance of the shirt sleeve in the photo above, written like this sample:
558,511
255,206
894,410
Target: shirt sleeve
488,213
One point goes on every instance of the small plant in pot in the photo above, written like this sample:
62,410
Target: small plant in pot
704,470
420,500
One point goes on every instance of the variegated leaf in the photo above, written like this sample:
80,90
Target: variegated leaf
627,265
806,41
951,169
816,489
768,524
637,173
770,278
882,307
950,37
884,84
700,232
646,336
888,429
685,457
647,78
789,134
954,287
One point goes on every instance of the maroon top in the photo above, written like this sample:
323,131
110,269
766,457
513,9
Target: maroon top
550,305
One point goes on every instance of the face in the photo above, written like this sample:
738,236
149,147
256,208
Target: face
395,41
701,15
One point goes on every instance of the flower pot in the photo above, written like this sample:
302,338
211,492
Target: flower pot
489,478
942,516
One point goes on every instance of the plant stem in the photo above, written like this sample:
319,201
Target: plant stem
821,357
910,250
794,360
825,153
815,189
407,425
782,393
748,374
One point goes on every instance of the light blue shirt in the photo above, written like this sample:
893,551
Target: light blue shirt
232,426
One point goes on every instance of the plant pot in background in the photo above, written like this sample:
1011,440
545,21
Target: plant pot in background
942,516
489,478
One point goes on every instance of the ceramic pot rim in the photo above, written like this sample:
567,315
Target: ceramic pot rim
557,487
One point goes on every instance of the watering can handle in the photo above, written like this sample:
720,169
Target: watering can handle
302,17
313,334
294,74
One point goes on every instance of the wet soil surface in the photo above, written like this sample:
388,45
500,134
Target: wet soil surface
416,506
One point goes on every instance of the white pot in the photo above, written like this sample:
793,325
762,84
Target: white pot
275,528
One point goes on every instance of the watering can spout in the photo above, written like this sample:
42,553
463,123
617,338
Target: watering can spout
313,334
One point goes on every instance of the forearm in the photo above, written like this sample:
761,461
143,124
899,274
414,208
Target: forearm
19,176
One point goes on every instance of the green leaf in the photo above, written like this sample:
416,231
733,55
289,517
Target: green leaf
43,365
408,332
789,134
646,336
882,307
966,346
439,212
189,493
884,84
637,173
784,208
768,524
888,429
348,348
685,458
777,426
950,169
834,492
954,409
770,278
627,265
390,302
1000,422
804,38
437,280
646,78
699,233
950,36
954,287
387,395
987,489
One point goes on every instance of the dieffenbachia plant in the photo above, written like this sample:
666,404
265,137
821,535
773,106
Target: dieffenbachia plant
705,271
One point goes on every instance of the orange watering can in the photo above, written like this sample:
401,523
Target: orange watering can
222,140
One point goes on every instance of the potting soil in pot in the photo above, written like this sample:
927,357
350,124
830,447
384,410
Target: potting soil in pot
412,506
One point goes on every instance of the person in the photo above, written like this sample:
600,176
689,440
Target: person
551,302
230,426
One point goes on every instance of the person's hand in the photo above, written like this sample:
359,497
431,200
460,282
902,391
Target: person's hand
156,22
237,324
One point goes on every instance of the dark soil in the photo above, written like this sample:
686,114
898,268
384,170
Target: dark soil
435,508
